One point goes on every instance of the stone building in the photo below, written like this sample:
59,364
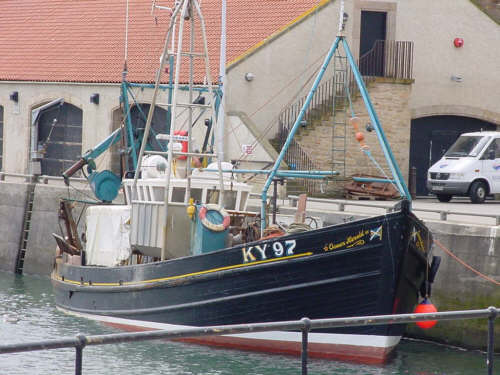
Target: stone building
70,55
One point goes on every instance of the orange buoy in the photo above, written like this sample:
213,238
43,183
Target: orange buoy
360,136
423,307
355,122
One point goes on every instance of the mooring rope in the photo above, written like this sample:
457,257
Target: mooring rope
447,251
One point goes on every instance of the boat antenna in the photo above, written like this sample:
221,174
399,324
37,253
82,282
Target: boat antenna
342,19
126,43
222,83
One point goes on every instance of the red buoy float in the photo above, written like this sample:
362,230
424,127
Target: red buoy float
423,307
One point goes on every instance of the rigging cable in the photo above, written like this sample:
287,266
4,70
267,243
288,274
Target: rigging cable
463,263
365,148
270,125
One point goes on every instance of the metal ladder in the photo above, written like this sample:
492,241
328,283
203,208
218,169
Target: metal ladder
28,211
339,131
184,10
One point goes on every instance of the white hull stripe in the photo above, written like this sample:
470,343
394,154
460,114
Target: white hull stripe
373,341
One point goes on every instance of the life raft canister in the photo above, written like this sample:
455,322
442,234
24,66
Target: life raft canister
214,227
184,144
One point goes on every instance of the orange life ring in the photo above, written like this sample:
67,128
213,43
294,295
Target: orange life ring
184,144
202,214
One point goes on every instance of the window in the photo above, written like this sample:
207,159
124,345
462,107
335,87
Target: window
493,151
178,194
56,137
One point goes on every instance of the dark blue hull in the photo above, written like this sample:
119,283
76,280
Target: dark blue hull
369,267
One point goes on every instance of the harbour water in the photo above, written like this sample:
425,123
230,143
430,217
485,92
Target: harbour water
28,313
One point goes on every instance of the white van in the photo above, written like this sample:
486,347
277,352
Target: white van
471,167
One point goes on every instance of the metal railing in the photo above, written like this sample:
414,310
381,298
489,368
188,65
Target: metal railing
388,58
30,178
79,342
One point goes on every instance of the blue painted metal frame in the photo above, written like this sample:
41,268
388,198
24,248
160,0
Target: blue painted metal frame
295,126
128,123
400,184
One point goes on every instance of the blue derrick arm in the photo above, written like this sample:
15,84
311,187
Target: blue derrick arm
92,154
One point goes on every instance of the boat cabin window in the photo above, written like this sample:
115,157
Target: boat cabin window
243,199
196,194
178,194
229,199
158,193
212,196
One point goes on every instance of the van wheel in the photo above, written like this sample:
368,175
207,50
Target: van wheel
444,197
477,192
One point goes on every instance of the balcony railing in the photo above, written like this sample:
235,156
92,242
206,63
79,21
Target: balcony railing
388,58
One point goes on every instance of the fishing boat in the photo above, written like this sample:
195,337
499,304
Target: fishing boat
184,251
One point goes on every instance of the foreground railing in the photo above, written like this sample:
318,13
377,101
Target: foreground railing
305,325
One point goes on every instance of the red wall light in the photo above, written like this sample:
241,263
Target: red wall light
458,42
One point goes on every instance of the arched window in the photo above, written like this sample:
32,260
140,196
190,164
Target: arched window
57,131
138,119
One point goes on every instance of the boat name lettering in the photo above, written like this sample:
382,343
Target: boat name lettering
350,241
356,237
280,248
357,243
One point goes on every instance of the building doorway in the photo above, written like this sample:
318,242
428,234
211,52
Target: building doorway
432,136
56,137
138,115
373,29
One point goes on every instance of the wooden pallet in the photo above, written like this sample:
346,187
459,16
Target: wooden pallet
365,197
